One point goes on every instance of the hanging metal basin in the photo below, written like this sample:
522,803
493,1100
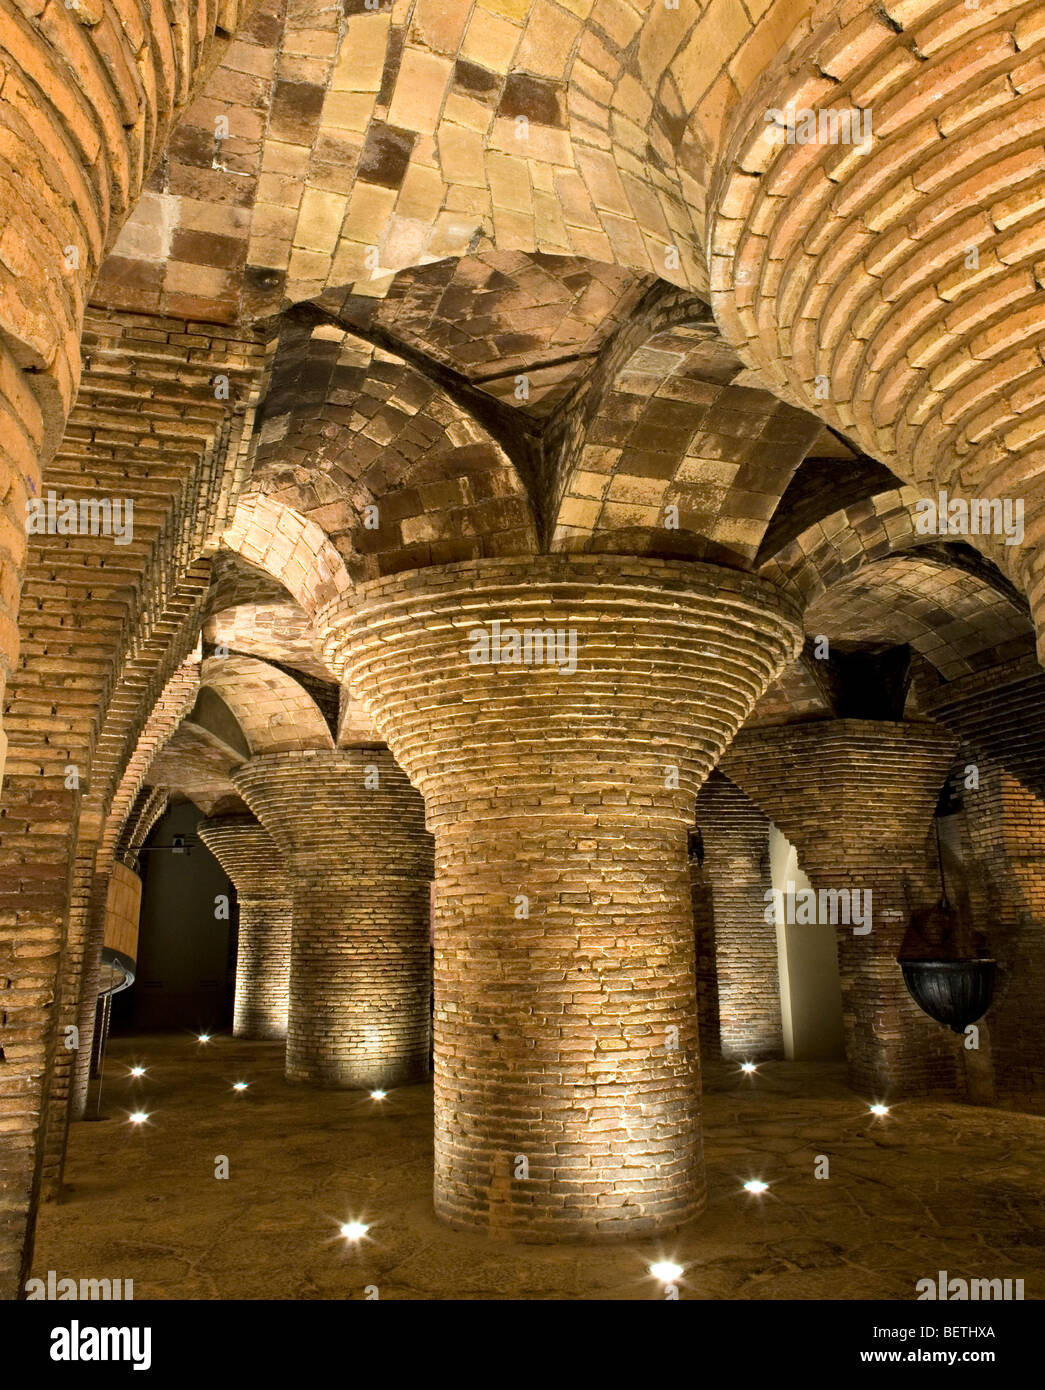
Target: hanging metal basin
954,992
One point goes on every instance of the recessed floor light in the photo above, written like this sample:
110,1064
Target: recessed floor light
354,1230
239,1085
756,1185
879,1109
138,1117
204,1037
749,1067
378,1095
137,1071
666,1271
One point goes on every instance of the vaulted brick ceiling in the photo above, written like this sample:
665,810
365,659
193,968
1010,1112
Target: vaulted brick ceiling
954,619
638,140
243,707
274,631
195,765
898,291
371,223
423,204
500,314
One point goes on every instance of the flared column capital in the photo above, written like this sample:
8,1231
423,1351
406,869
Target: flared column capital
999,712
845,789
350,808
248,854
530,676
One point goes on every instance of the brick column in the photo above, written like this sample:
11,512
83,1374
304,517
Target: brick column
352,830
566,1052
736,863
1005,826
248,854
856,799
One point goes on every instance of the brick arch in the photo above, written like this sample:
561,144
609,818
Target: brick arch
278,632
953,618
196,764
172,705
234,582
272,536
867,567
150,805
90,95
679,457
275,713
840,544
351,427
896,291
89,98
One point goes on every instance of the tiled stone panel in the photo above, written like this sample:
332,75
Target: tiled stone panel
248,854
856,799
361,863
561,805
1005,826
736,843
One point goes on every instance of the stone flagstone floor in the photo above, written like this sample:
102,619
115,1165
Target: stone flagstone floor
931,1186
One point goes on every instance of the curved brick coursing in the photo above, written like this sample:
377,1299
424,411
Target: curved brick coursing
736,845
175,448
351,430
1000,712
361,864
555,1017
273,710
897,291
248,854
856,798
672,431
86,924
286,545
89,95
